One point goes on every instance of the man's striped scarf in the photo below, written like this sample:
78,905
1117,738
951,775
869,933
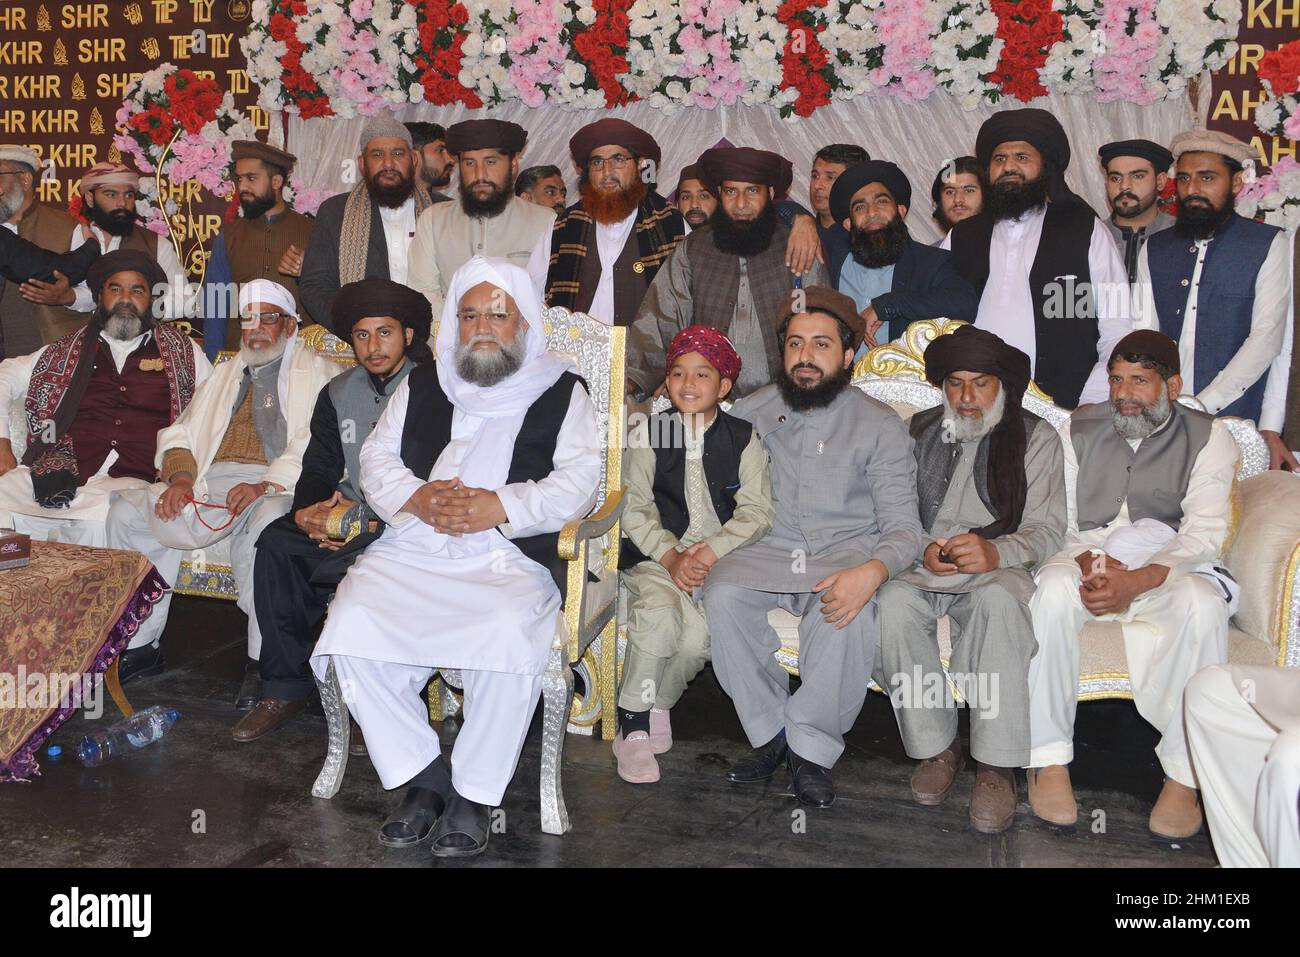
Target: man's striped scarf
354,231
658,230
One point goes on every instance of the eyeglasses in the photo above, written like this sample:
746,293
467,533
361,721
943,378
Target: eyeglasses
467,316
617,161
265,318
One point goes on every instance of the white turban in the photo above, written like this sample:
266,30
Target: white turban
264,290
487,462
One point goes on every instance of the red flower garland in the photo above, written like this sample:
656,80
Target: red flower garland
603,47
300,87
1029,27
442,35
807,71
1281,68
192,100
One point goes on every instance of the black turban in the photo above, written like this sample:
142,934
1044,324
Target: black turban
382,297
1153,153
485,135
125,260
863,174
745,165
976,350
1041,130
1149,344
612,132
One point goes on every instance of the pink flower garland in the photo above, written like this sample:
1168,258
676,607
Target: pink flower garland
1132,38
904,33
717,66
537,54
362,72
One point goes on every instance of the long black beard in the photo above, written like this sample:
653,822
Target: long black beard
391,197
819,396
257,207
1198,221
1011,200
879,247
494,205
741,238
119,222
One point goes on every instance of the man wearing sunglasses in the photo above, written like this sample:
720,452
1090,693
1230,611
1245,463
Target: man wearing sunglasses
228,465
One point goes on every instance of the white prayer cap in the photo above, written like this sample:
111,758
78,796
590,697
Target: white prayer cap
264,290
20,154
539,369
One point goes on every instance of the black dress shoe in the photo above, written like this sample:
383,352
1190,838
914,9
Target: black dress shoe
414,818
811,782
761,764
140,662
250,689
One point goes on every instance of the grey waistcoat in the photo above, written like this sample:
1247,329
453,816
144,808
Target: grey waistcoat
359,404
268,417
1153,479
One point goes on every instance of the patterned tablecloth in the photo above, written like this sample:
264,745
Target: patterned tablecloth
64,619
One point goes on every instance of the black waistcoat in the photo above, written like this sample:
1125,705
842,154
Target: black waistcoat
427,430
724,442
1065,315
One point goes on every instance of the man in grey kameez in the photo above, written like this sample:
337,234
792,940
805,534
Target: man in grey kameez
992,501
844,490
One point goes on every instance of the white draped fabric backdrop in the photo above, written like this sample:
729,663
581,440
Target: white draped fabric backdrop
919,137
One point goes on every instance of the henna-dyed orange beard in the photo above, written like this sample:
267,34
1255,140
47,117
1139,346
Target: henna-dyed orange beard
608,208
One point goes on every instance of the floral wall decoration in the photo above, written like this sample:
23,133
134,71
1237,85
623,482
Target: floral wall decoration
1275,197
350,57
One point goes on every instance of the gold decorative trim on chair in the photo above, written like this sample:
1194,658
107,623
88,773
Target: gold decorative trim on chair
905,358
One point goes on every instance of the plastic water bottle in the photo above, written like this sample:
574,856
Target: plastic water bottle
130,734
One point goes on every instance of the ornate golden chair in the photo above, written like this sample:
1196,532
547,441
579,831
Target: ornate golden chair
590,547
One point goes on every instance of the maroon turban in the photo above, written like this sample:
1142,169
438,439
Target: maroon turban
710,343
613,132
745,165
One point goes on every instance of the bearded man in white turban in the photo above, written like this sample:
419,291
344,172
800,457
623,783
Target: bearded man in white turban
476,464
228,466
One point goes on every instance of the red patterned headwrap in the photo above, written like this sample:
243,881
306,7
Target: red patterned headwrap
710,343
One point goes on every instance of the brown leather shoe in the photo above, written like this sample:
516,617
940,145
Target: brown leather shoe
993,799
1050,796
933,777
266,716
1177,814
357,743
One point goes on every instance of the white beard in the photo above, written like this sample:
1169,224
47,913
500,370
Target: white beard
968,430
255,358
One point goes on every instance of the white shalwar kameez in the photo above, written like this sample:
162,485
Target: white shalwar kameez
1243,728
417,600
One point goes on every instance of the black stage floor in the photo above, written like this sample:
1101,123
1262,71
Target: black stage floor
197,798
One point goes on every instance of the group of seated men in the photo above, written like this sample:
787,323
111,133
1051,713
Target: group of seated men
419,502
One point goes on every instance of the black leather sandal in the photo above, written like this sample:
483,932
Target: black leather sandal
414,818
